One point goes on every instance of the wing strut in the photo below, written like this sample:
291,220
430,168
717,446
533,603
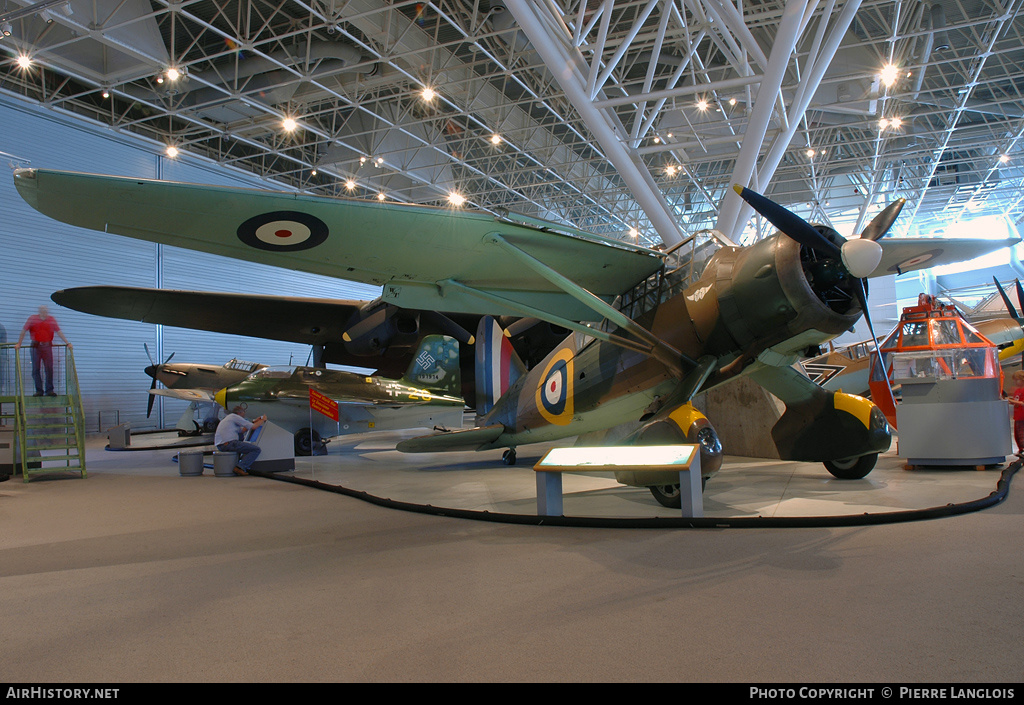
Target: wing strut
651,344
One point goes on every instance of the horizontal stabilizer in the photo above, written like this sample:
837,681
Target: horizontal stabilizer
468,439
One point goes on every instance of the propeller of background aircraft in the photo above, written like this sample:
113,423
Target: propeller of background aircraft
858,257
152,372
383,323
1010,307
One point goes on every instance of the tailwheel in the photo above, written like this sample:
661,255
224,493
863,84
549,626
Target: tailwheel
852,468
509,456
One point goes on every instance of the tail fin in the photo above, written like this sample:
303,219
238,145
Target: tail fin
497,365
436,366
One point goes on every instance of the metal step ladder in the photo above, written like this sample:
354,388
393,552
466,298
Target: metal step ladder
49,431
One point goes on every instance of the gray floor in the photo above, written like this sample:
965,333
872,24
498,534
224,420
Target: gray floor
139,574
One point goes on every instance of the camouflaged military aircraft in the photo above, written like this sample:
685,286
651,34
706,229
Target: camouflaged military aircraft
315,403
674,323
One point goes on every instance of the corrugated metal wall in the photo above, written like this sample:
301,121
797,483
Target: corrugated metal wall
39,256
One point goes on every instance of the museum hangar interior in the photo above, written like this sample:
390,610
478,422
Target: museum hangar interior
629,121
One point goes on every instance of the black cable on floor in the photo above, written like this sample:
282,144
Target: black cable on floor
865,519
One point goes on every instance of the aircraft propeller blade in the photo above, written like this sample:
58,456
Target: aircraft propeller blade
449,327
880,224
1010,308
146,348
862,297
367,324
152,398
788,222
520,326
1020,294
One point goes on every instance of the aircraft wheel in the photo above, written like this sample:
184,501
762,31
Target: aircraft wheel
306,440
852,468
669,495
509,456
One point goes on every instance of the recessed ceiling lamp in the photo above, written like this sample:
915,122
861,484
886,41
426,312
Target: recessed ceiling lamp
171,151
889,75
456,199
289,124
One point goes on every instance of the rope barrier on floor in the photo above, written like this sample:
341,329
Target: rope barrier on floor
759,522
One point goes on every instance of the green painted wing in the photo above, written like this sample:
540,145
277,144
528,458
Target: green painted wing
422,256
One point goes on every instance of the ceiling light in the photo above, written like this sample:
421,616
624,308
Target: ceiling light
1003,158
105,93
313,172
350,185
6,29
495,139
670,170
809,152
889,75
159,79
456,199
173,74
634,233
657,140
23,61
428,94
702,105
896,122
171,151
732,101
883,123
381,196
289,124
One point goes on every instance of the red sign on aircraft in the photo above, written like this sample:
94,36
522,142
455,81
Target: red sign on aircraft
323,404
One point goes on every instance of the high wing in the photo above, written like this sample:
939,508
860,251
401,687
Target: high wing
425,258
300,320
910,253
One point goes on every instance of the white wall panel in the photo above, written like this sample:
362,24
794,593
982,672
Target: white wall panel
39,256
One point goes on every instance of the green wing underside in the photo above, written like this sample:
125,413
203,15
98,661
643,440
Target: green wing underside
428,258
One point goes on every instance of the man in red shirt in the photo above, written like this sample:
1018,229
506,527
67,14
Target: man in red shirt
1016,400
42,327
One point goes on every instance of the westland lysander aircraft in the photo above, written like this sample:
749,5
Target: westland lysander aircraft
685,320
314,403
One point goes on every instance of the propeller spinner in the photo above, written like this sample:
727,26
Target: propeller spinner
859,257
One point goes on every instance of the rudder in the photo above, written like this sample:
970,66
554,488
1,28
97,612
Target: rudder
497,364
436,366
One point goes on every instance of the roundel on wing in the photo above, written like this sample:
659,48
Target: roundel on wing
554,395
283,231
916,261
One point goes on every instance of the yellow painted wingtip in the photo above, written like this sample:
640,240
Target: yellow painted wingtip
472,339
738,189
344,336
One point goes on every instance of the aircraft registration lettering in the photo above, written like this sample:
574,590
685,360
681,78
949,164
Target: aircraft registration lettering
554,396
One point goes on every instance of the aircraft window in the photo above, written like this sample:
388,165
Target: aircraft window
891,341
273,373
915,334
972,336
945,332
241,365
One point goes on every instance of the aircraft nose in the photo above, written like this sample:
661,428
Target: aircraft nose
151,371
221,397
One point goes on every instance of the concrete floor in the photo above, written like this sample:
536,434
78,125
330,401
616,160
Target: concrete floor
137,574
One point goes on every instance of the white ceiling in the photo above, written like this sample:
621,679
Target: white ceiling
594,101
